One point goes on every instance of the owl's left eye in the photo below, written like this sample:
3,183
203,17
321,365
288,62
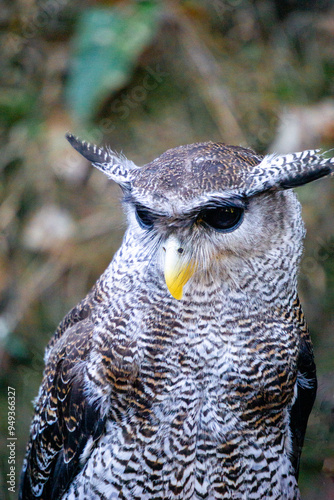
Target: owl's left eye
222,219
144,217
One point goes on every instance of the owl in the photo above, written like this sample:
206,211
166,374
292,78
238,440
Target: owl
187,372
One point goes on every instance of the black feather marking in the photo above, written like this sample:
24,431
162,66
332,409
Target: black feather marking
306,392
92,153
302,407
305,177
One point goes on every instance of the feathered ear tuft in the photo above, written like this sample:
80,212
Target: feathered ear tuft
116,167
288,171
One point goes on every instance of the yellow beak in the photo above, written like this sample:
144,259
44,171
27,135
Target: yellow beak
178,267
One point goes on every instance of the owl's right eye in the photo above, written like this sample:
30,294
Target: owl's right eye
144,217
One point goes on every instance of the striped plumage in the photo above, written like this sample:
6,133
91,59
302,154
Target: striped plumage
207,397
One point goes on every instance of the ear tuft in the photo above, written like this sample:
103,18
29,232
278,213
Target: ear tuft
116,167
288,171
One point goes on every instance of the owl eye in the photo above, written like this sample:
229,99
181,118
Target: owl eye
222,219
144,217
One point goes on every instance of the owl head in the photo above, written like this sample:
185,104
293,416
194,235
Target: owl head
210,208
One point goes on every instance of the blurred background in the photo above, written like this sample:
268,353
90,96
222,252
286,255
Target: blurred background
142,77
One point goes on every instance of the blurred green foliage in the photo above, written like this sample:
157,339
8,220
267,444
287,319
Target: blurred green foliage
143,77
108,42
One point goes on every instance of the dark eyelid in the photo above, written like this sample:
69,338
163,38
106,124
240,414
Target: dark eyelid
145,216
235,202
142,208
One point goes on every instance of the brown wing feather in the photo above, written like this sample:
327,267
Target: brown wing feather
64,418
